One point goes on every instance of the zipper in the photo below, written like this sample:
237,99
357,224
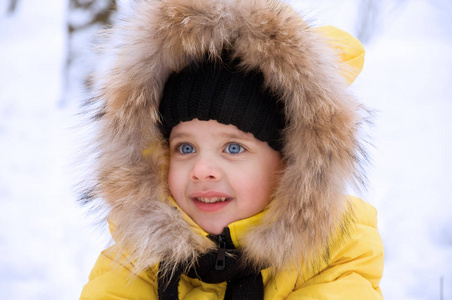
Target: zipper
220,263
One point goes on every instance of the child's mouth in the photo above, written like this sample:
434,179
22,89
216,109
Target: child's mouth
211,204
211,199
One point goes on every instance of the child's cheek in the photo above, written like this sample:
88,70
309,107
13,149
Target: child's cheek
172,180
176,182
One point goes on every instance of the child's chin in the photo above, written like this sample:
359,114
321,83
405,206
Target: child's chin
213,226
216,230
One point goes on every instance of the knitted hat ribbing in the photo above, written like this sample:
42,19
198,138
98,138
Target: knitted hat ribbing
222,92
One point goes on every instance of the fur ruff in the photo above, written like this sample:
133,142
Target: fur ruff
322,153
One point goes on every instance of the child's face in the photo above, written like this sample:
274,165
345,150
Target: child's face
219,174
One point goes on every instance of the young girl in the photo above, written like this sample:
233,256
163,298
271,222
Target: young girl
226,140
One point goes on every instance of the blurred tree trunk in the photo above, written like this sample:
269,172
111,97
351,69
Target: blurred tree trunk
367,19
12,6
85,19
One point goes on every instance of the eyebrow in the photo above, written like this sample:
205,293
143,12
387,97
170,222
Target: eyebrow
242,136
179,135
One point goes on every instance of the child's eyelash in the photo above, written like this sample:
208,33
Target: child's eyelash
178,148
242,147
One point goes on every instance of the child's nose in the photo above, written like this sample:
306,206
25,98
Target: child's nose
205,170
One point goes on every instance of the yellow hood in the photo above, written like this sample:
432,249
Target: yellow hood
302,65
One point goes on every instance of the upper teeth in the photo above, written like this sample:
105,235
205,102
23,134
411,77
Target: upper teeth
211,200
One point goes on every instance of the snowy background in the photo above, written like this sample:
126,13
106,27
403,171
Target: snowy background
47,243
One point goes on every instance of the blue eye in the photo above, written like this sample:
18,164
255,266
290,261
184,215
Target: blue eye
186,149
234,148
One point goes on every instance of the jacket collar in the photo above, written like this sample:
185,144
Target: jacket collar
321,144
238,229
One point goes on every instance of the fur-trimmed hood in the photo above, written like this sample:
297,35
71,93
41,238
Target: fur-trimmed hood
321,150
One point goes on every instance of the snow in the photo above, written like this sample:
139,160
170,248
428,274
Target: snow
48,244
407,79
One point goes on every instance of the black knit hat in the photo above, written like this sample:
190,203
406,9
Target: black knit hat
223,92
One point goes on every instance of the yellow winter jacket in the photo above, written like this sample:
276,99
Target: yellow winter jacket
322,149
352,272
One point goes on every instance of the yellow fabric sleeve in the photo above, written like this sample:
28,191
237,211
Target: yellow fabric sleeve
114,280
356,264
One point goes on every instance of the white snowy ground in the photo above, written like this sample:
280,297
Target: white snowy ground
47,245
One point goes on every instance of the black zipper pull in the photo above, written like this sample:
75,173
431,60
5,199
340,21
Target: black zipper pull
220,263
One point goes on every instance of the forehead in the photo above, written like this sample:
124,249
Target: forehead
196,127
